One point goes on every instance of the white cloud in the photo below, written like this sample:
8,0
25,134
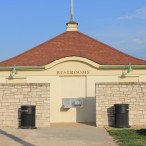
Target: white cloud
133,42
138,14
139,41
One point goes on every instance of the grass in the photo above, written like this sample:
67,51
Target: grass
129,137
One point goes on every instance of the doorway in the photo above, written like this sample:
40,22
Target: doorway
76,87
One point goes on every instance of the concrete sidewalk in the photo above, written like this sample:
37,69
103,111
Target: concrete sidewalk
57,135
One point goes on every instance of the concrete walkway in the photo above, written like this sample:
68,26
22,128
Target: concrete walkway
57,135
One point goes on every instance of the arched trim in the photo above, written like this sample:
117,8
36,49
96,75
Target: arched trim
78,59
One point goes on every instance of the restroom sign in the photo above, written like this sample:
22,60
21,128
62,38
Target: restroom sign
76,72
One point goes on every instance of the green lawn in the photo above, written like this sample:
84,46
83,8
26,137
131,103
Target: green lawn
129,137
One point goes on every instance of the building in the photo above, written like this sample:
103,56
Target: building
72,68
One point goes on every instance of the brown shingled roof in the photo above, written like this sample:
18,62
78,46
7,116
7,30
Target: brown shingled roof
70,44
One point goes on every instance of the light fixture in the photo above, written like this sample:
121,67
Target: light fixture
13,72
129,69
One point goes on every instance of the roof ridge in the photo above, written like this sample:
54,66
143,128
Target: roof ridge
114,49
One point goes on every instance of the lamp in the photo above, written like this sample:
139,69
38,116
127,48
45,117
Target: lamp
129,69
13,72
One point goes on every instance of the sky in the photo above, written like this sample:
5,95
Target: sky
27,23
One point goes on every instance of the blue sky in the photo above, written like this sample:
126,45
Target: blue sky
119,23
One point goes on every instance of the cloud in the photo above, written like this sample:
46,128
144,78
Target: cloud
138,14
140,39
133,44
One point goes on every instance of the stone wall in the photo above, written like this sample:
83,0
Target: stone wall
108,94
12,96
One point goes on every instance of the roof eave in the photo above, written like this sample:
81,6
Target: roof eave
101,67
119,67
23,68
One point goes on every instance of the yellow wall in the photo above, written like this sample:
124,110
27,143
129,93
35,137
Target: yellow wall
2,80
142,78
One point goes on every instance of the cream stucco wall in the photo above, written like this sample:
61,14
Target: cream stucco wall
72,77
2,80
68,87
142,78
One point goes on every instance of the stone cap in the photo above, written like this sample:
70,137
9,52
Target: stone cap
72,26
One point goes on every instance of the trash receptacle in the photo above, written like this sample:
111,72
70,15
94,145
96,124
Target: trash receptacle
122,115
27,120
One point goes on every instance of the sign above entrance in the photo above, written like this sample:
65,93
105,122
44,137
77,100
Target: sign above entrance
76,72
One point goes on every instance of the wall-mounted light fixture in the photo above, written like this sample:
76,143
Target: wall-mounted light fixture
129,69
13,72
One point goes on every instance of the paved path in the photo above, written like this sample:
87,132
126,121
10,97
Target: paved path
58,135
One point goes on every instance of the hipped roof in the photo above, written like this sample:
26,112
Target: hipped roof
69,44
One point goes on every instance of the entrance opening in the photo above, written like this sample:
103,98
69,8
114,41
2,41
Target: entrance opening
76,88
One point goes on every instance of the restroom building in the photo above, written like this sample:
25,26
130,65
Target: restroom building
73,78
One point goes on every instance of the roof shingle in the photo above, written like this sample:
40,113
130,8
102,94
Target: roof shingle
71,44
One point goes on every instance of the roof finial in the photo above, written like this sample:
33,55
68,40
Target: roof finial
72,25
71,10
